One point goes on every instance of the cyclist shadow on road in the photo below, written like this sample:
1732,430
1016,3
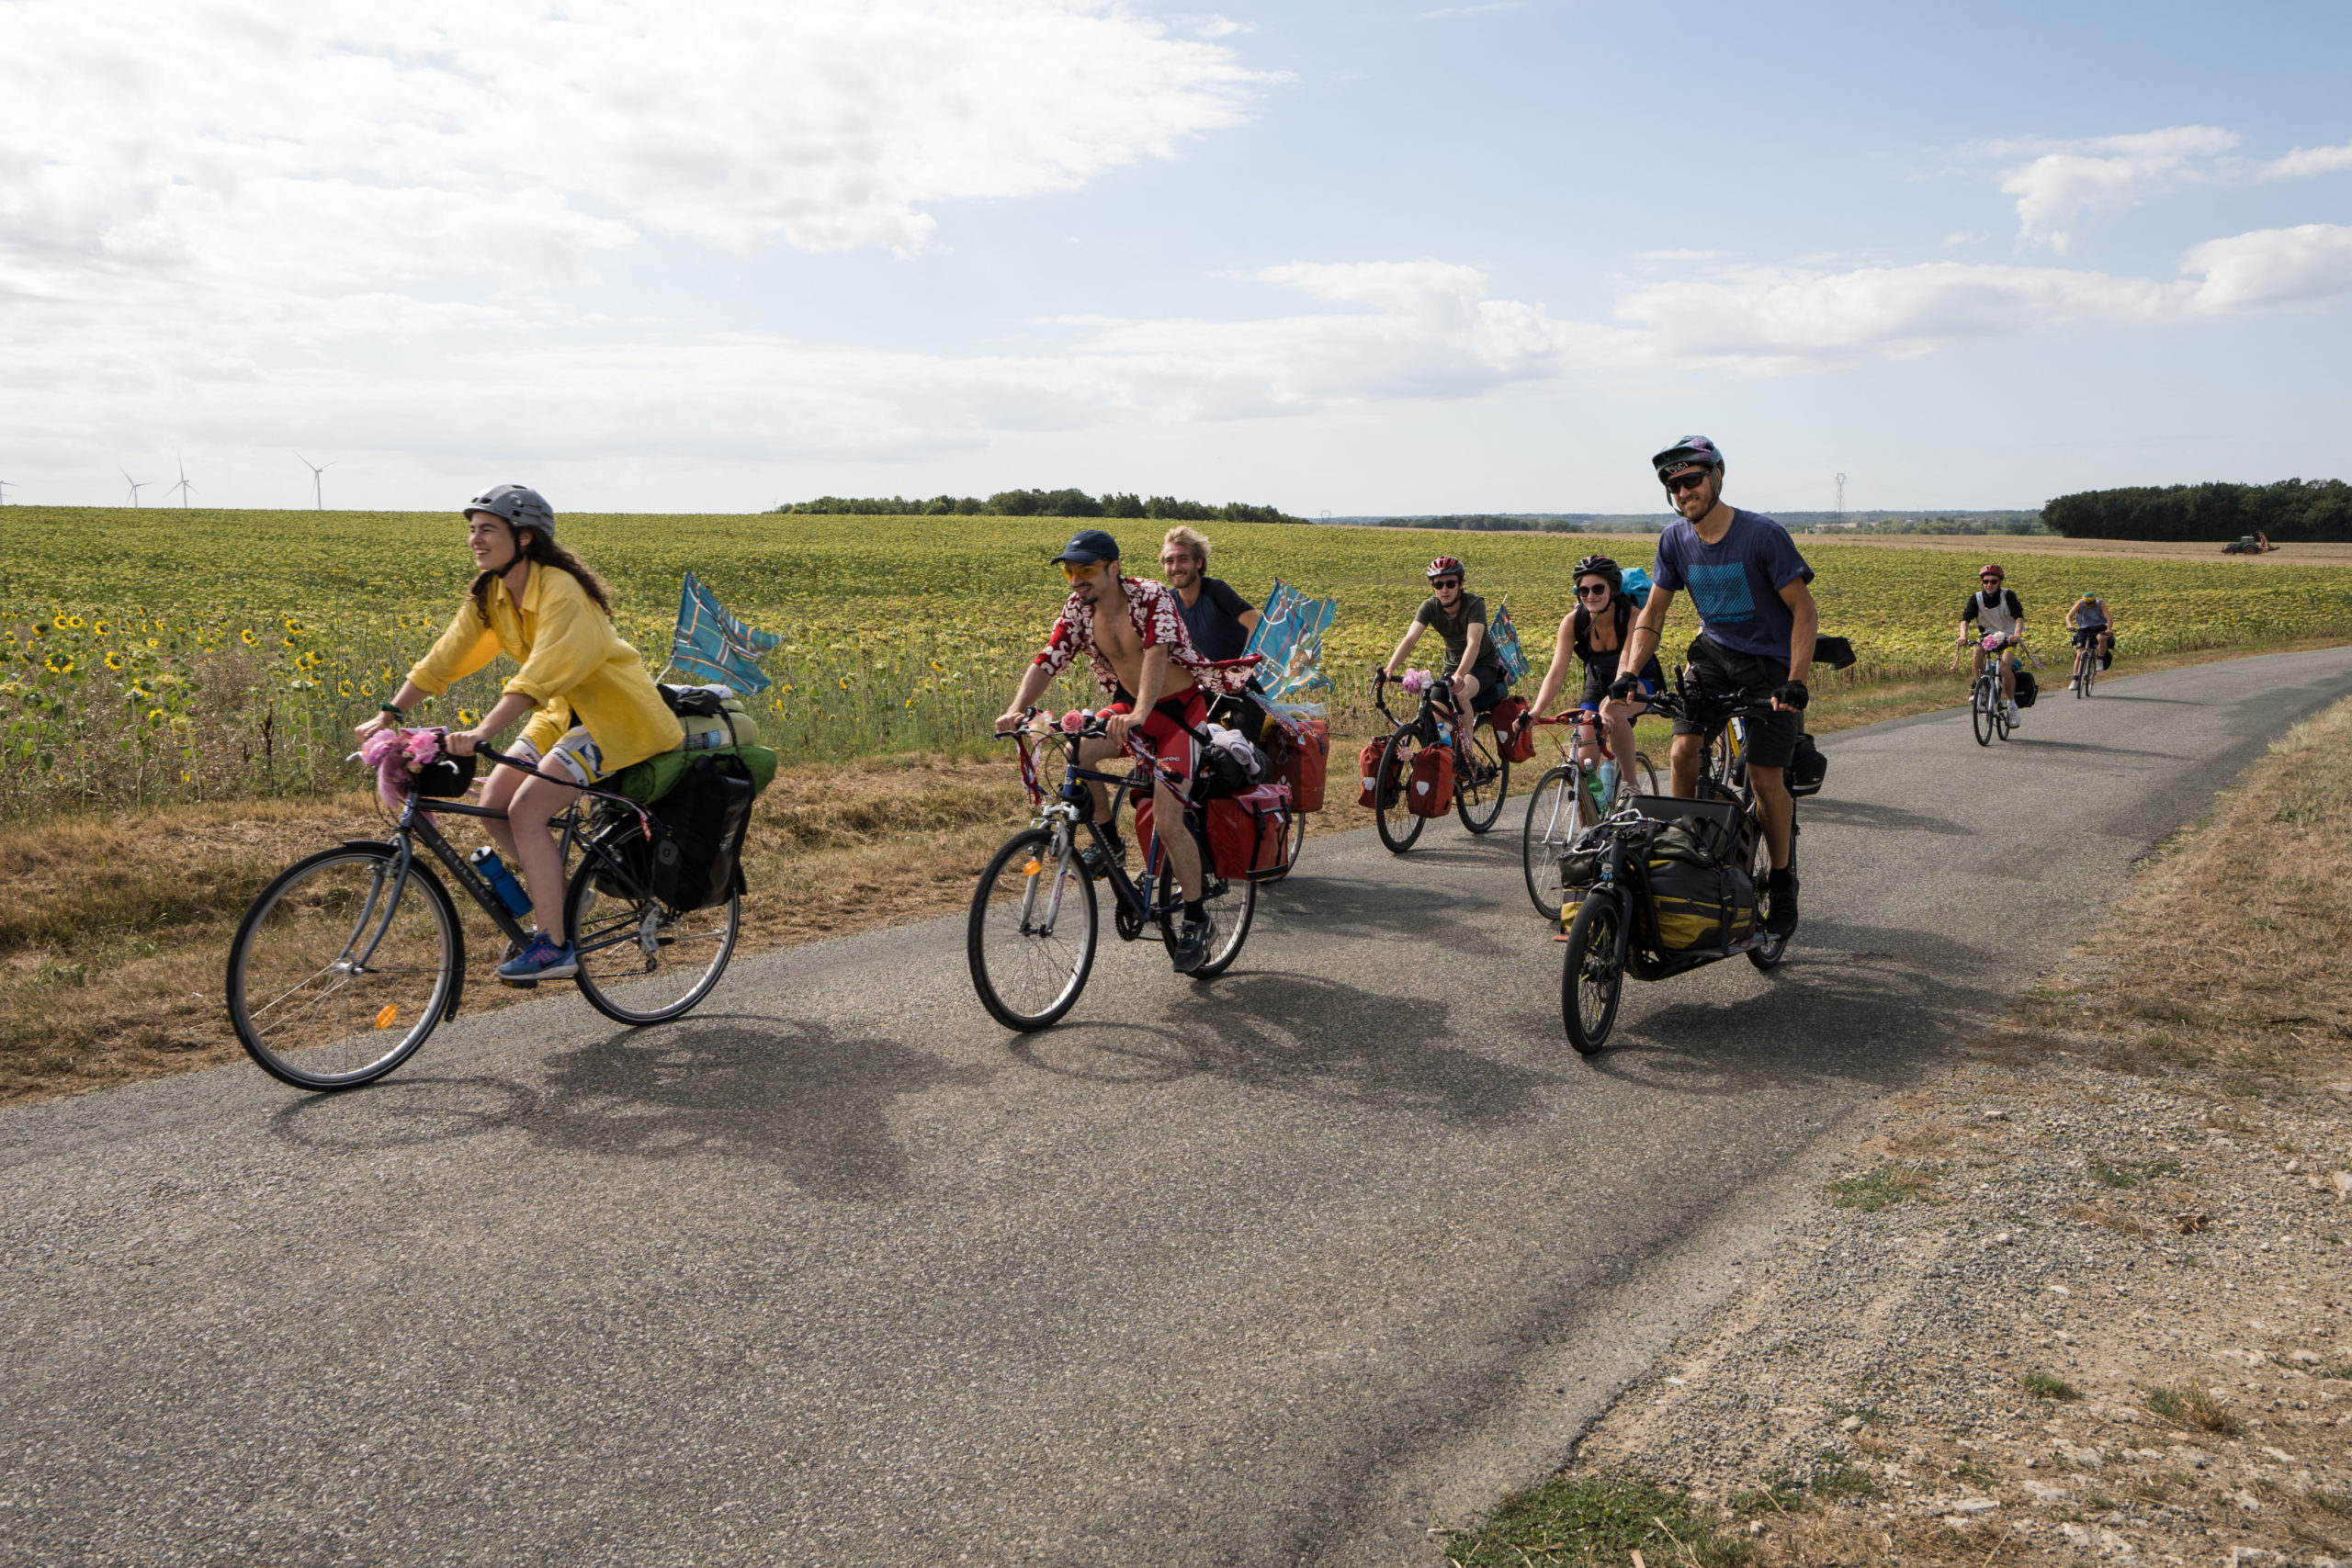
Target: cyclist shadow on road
802,1097
1842,1010
1301,1034
1873,814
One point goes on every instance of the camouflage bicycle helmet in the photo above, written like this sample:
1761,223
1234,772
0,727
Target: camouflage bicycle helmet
1602,566
522,506
1446,566
1692,451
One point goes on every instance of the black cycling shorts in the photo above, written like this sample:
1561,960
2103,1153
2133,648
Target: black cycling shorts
1726,674
2085,634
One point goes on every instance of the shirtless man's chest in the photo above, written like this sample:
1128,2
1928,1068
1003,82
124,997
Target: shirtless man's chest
1116,636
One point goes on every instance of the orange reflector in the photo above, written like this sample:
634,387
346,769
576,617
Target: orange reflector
1032,868
384,1019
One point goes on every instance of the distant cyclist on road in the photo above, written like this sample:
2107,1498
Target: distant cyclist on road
1132,632
593,710
1996,609
2090,623
1592,638
1757,625
1478,679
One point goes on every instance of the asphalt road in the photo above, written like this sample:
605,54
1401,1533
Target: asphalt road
1269,1270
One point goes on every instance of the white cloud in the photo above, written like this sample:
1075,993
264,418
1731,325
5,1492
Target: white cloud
1442,12
305,149
2058,190
2304,163
1781,319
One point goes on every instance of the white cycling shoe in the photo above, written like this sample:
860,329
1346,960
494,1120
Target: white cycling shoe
2016,718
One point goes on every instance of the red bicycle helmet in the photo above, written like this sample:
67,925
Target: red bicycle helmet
1991,568
1446,566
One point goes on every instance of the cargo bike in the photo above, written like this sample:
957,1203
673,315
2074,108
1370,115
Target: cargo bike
1665,885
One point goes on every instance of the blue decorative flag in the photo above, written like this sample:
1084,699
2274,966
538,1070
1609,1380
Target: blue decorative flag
1504,634
1289,641
712,646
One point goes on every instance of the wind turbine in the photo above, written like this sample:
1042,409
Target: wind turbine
4,489
183,486
318,486
136,485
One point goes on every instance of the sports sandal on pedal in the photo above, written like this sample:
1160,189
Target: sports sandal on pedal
1192,946
1781,887
1096,864
543,960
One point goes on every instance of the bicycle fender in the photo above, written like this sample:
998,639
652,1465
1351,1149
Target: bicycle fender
436,888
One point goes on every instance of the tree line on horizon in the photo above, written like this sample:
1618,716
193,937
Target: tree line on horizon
2309,511
1040,503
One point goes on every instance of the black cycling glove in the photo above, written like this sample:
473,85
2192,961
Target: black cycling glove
1792,695
1625,687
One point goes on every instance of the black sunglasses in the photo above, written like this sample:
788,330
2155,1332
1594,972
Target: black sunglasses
1690,479
1446,582
1593,591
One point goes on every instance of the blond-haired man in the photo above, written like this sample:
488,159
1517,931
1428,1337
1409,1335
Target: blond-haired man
1219,619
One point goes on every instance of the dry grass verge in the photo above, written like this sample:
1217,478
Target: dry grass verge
2115,1330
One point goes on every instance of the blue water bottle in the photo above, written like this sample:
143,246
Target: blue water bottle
501,882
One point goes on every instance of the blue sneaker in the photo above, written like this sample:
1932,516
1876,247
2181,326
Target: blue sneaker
543,960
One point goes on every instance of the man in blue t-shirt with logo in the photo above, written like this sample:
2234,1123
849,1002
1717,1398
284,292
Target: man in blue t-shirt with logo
1757,624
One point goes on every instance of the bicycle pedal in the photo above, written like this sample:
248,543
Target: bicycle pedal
520,985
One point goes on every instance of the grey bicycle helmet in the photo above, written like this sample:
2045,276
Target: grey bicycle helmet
1692,451
522,506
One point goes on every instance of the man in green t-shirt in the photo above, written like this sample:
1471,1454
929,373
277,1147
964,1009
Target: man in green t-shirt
1460,618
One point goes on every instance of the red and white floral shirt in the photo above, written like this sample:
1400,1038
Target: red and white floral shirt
1152,610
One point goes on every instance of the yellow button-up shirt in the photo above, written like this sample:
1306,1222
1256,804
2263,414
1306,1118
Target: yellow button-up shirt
576,667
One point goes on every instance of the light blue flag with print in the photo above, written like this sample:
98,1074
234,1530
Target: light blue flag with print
712,646
1289,641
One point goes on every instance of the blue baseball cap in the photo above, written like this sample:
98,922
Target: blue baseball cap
1090,545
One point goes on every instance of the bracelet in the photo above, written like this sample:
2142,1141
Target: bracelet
392,708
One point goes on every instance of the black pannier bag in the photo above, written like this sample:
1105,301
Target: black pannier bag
1700,907
698,847
2028,688
1807,767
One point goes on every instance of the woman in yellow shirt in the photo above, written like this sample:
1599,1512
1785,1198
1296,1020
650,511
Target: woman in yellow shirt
593,708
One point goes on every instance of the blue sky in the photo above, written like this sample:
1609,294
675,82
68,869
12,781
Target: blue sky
1345,258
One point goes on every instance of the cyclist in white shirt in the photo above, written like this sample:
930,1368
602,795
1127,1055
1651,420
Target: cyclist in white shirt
1995,608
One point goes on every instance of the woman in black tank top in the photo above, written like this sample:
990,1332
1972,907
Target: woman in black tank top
1592,637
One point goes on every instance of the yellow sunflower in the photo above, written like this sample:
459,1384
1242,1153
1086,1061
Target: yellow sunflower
114,661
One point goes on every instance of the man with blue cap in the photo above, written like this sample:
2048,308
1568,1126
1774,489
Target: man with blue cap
1132,631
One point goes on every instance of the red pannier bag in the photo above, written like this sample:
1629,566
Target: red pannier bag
1367,764
1302,758
1515,748
1250,833
1431,790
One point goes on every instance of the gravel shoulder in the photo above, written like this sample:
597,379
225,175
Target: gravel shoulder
2079,1296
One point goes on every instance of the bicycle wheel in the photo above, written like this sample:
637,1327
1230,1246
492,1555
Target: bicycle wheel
1759,870
332,980
1590,979
640,961
1643,780
2000,712
1297,844
1482,777
2090,672
1981,711
1398,827
1230,907
1029,951
1554,817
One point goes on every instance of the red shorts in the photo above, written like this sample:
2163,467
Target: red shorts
1165,734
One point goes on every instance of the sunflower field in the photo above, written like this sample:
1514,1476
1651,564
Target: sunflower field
169,654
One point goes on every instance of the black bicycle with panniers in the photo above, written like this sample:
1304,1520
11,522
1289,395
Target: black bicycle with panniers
1666,885
350,958
1032,931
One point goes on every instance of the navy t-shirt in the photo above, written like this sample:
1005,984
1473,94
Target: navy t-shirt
1215,620
1737,581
